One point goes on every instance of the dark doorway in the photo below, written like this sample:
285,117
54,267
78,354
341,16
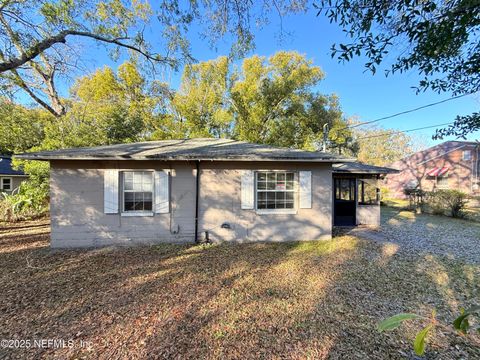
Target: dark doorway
344,203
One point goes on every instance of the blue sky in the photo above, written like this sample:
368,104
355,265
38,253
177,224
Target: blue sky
361,94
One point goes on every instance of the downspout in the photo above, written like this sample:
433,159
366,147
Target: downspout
197,188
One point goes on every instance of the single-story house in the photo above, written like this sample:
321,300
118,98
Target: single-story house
10,179
204,189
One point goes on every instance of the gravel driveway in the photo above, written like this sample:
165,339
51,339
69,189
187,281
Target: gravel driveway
427,234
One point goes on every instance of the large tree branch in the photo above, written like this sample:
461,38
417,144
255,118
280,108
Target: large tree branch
39,47
21,83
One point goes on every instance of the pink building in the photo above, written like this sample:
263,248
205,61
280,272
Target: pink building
450,165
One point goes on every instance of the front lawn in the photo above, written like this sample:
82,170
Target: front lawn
294,300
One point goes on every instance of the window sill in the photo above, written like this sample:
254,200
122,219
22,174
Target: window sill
137,213
276,211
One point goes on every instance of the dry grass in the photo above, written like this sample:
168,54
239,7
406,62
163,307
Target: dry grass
472,213
295,300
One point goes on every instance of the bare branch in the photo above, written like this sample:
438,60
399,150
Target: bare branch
60,38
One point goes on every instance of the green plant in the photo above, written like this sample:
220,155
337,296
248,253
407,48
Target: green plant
461,325
447,202
435,203
29,201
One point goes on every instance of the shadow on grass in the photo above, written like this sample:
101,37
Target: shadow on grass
282,300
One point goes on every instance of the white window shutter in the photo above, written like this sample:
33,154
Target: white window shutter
110,191
305,182
247,189
162,192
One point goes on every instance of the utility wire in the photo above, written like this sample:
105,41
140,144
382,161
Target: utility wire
403,131
402,112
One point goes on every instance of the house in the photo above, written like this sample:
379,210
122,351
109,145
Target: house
10,179
450,165
204,189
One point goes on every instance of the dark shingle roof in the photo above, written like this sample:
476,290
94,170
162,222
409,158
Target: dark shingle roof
188,149
359,168
6,166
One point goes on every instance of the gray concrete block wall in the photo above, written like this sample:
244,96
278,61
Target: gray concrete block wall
368,215
220,195
76,206
78,219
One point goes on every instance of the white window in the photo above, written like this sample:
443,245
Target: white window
6,184
137,191
442,182
467,155
275,190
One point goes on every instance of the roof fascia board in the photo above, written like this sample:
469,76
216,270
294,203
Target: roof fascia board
116,158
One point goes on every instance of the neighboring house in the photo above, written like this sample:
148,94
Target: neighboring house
10,179
204,189
450,165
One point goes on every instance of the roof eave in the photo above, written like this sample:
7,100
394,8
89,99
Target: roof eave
356,172
174,158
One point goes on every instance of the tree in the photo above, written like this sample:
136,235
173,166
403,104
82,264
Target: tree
20,128
436,38
201,105
105,108
381,147
273,101
38,38
269,101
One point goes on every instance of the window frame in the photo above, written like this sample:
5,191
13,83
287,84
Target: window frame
123,191
2,186
293,210
443,178
469,152
361,193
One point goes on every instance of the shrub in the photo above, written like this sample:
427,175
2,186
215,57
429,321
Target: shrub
447,202
22,205
31,199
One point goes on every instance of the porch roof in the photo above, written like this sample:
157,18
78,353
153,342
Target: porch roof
359,168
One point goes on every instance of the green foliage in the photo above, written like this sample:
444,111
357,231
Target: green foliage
460,324
31,199
380,147
270,97
34,58
395,321
447,202
419,343
270,101
201,106
29,202
436,38
20,128
105,108
273,102
462,126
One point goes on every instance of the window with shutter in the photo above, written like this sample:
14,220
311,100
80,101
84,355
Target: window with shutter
305,184
110,191
162,192
247,190
137,191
